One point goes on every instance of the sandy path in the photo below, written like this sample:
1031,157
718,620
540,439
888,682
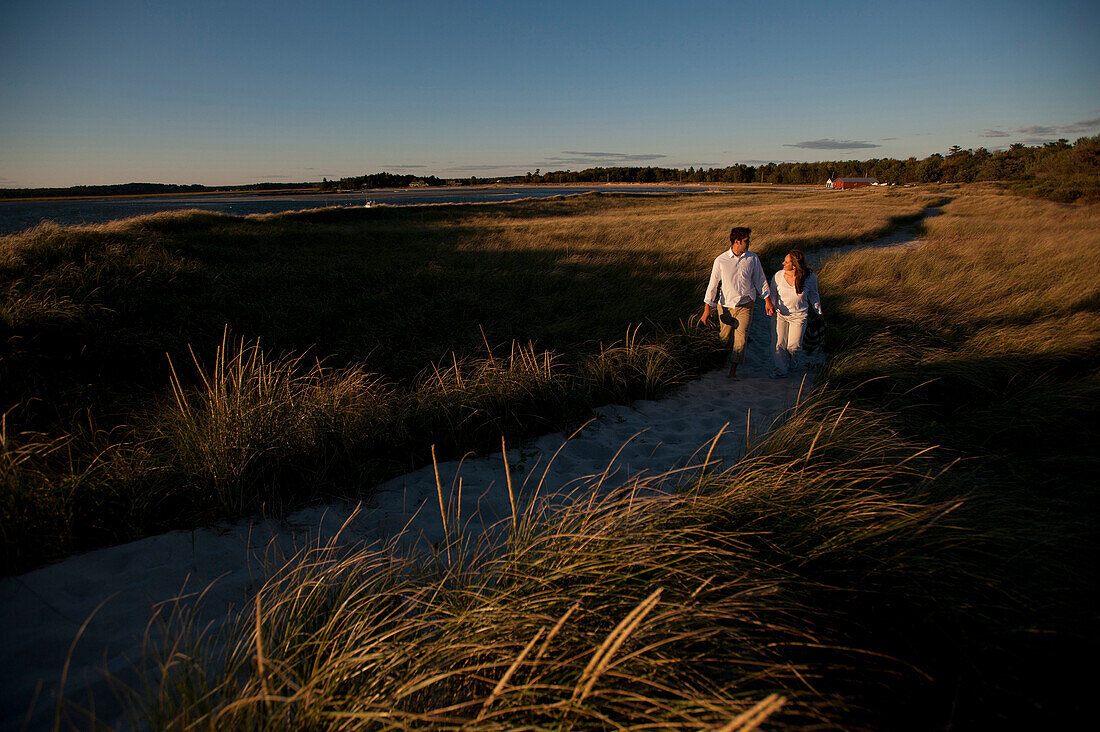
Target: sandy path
42,611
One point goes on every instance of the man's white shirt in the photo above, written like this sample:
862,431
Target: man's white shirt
742,279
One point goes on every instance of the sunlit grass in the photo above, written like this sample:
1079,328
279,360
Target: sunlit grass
663,605
910,549
986,339
253,417
592,296
1000,305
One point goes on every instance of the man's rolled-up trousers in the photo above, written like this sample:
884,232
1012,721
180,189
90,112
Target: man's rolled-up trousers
740,332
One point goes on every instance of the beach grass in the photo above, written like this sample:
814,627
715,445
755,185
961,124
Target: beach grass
713,604
357,339
911,548
986,340
989,334
391,288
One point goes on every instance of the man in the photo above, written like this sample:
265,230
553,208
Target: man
742,279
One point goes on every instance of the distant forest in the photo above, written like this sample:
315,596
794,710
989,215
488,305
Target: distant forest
1057,170
143,189
381,180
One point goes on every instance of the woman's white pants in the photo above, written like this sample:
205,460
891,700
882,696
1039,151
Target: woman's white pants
788,342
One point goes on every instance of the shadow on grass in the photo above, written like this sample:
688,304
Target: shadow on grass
1022,431
395,303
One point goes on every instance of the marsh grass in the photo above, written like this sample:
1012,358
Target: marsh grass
998,310
249,431
986,339
255,417
405,308
714,604
910,549
394,288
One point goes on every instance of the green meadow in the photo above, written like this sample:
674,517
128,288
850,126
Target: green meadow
911,548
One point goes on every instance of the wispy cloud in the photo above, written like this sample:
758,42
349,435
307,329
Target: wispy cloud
617,156
581,158
401,165
1037,130
487,166
832,144
1083,126
994,133
887,139
585,157
1034,141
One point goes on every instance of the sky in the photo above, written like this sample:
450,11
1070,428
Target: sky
224,93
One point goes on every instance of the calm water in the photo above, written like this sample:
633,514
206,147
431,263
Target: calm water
19,215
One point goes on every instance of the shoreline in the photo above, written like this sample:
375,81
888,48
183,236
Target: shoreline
426,189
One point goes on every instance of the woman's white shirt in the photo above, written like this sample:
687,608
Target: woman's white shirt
794,304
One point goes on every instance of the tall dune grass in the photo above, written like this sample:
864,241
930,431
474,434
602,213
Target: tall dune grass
986,339
911,549
253,418
710,605
250,432
379,295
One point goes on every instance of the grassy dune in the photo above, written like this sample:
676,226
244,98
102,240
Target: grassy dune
357,339
986,342
392,288
1000,355
714,606
911,549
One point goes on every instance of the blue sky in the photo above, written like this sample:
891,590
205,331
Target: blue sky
230,92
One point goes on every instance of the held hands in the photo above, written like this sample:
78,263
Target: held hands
768,307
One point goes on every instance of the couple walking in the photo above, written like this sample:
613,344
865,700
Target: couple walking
789,297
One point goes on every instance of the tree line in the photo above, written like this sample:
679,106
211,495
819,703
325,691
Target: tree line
1057,170
1064,171
141,189
378,180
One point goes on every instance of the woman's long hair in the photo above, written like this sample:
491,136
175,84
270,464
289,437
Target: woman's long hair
801,271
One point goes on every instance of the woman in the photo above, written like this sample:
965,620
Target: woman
795,292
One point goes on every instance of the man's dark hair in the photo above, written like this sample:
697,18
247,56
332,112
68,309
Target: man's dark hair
739,232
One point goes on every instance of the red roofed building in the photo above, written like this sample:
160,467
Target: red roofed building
843,183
